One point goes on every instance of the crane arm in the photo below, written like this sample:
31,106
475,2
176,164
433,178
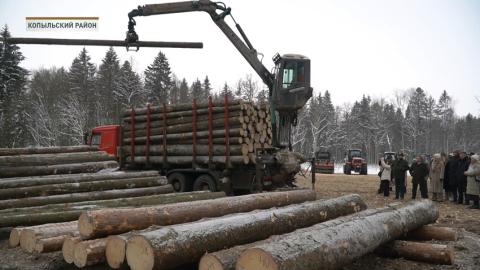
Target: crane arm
217,11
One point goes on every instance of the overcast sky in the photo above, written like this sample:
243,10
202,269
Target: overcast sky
356,46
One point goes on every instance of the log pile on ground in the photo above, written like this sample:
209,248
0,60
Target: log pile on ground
17,162
200,133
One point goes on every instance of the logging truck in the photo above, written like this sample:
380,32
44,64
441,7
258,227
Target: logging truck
223,155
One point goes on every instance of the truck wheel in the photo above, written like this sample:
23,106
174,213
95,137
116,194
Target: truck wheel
364,170
204,182
348,169
179,182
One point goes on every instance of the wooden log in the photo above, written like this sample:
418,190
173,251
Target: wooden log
86,167
51,244
85,196
183,160
53,215
427,233
422,252
316,247
184,107
121,202
53,159
68,248
89,252
218,141
236,132
117,247
55,189
175,246
14,239
105,222
46,150
158,116
30,235
29,181
184,150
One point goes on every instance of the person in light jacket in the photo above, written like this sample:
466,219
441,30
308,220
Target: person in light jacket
436,177
473,181
386,176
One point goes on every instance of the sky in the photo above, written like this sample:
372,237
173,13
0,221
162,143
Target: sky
356,47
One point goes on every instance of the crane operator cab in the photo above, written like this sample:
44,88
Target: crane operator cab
291,91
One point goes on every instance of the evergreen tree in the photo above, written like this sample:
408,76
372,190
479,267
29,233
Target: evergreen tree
207,88
226,91
13,95
184,96
158,81
107,85
444,111
196,91
129,91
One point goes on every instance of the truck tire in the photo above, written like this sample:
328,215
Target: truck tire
204,182
364,170
348,169
180,182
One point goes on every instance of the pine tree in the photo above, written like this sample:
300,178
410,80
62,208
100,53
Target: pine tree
13,95
226,91
184,96
444,111
107,85
158,81
196,91
207,88
130,90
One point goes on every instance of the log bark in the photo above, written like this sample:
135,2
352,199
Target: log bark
115,221
427,233
53,159
55,189
185,107
121,202
86,167
316,247
46,150
235,132
14,239
89,252
68,248
175,246
422,252
85,196
51,244
30,235
53,215
17,182
183,160
184,150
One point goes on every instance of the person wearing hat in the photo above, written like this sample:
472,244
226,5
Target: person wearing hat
399,169
436,177
473,181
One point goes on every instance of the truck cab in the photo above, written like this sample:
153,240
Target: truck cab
107,138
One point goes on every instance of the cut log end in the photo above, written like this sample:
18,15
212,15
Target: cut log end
85,224
140,253
80,255
68,248
14,239
210,262
115,251
256,258
27,240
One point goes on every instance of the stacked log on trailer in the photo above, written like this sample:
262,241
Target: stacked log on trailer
17,162
200,133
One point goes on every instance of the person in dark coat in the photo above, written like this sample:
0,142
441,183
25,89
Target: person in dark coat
450,182
463,163
419,172
399,168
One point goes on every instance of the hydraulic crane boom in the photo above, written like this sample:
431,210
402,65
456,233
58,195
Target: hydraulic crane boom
289,86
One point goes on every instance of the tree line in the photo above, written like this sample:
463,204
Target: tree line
56,106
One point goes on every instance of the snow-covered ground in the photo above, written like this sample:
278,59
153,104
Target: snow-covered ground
372,168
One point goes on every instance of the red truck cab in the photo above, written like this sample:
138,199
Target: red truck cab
107,138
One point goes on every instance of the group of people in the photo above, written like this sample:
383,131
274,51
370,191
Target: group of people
455,178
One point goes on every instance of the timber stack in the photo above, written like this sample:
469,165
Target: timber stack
219,133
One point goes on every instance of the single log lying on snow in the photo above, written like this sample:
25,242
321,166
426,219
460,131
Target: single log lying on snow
103,222
14,239
51,244
68,248
85,196
30,235
175,246
55,215
331,248
29,181
86,167
53,159
422,252
427,233
46,150
89,252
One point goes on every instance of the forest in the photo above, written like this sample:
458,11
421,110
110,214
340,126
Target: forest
57,105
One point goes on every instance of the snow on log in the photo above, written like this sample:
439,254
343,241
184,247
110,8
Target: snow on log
46,150
182,244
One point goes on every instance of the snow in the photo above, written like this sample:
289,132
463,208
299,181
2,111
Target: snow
373,169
